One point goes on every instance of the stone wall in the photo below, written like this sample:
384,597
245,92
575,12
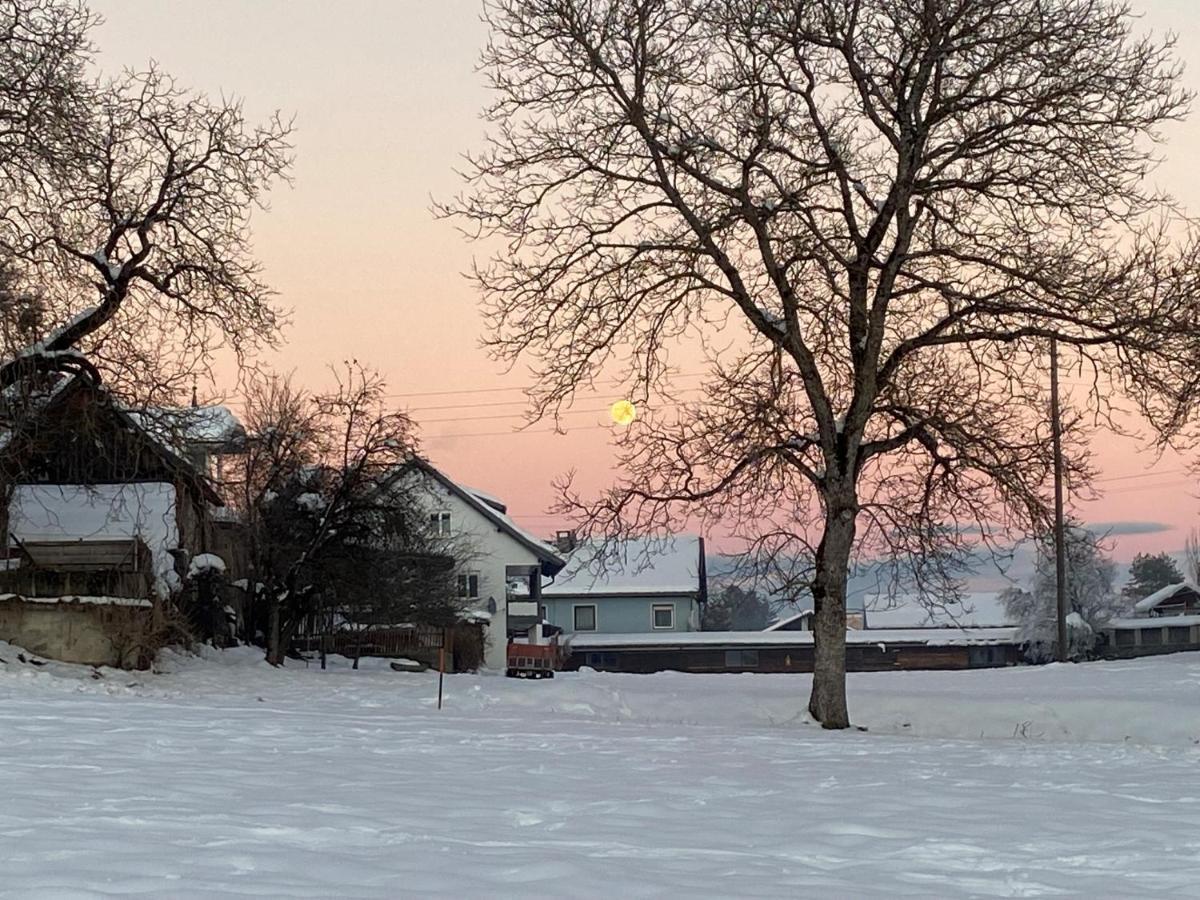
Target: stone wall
90,630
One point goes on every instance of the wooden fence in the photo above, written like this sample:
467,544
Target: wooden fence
463,644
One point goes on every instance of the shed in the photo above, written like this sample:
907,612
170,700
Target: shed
1181,599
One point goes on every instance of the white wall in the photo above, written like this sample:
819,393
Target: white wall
492,550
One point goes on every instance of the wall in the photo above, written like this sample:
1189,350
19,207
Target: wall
623,614
76,632
484,550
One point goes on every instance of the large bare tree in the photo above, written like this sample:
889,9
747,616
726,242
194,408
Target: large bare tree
874,215
126,210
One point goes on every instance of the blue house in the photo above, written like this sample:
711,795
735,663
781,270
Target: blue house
635,587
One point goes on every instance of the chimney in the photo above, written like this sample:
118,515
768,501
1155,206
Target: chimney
565,541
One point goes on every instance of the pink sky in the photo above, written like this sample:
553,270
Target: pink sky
386,99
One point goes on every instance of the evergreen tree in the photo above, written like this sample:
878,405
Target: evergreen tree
735,609
1149,573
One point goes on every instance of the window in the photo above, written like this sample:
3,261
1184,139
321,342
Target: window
439,523
664,615
1126,638
468,585
1151,637
1179,634
741,659
542,613
585,618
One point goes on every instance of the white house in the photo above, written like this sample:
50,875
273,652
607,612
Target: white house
502,566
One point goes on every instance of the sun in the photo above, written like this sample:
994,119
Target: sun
623,412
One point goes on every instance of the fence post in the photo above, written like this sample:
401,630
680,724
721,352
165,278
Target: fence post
441,672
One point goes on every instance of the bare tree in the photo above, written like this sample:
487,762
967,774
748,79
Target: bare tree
330,519
126,209
1191,556
44,91
873,215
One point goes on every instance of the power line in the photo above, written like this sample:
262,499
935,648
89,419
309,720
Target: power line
1141,475
523,388
567,412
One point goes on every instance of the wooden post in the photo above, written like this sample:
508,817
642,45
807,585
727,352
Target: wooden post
441,672
1060,543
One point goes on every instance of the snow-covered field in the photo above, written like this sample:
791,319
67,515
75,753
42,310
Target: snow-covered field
223,777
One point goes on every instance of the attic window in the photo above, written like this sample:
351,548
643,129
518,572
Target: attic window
468,585
439,523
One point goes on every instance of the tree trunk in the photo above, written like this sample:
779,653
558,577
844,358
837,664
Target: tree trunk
828,702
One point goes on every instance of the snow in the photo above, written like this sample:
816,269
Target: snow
983,609
113,269
934,637
1137,624
84,600
228,778
636,566
144,510
490,499
181,427
311,502
203,563
1161,595
783,623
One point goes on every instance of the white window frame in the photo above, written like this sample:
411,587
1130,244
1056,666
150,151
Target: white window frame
464,585
439,522
654,616
575,617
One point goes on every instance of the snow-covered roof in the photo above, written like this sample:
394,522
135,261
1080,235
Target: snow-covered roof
213,425
933,637
494,502
74,512
80,600
979,610
783,623
1162,595
1151,622
636,566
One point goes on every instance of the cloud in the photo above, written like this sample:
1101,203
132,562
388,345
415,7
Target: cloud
1116,529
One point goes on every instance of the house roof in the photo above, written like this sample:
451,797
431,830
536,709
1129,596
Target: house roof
171,456
1162,595
783,623
208,426
980,610
932,637
631,567
551,562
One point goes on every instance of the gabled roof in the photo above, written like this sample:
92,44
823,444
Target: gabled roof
631,567
1162,595
551,562
213,427
782,624
170,456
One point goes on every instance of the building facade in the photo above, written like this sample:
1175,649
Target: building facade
634,587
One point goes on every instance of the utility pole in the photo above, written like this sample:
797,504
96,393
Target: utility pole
1060,542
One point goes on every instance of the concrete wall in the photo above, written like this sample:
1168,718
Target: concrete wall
76,632
624,614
